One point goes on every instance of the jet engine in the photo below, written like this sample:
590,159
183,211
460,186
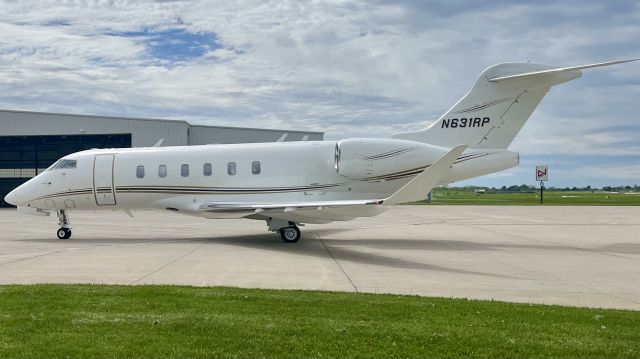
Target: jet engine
371,158
387,159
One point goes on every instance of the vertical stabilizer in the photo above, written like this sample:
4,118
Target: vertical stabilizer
498,105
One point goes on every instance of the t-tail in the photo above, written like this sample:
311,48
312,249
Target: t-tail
498,105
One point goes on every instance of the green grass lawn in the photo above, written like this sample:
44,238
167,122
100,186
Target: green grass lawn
88,321
461,196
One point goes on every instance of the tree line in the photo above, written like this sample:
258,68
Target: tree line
529,188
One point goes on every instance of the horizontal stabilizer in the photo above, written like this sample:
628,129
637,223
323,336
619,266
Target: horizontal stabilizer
557,70
423,183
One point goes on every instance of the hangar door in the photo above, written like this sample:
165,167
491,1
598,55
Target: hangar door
103,180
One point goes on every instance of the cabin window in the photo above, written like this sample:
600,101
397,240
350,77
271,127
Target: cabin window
64,164
140,171
162,171
231,168
207,169
255,167
184,170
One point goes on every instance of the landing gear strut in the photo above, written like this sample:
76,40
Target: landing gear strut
63,221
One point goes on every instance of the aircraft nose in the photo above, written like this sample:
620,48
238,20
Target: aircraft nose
11,198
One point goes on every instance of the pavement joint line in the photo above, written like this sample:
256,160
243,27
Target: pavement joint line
90,247
167,264
32,257
595,290
56,251
336,261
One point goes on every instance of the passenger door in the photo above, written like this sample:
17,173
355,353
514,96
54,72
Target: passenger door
103,180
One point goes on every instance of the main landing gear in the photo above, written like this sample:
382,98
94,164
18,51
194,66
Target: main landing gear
289,231
63,221
290,234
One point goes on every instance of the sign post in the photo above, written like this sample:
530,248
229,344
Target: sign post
542,174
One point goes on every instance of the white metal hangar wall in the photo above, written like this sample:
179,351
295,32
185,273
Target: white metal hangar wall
31,141
203,135
144,132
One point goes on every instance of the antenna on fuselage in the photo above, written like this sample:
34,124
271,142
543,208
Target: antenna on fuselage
159,143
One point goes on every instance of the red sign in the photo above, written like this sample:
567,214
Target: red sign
542,173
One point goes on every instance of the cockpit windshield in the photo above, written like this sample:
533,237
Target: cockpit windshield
63,164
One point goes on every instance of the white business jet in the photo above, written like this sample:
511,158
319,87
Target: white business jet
292,183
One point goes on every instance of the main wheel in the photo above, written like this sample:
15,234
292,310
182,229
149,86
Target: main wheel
290,234
64,233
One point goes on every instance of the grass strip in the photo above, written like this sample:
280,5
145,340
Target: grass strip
104,321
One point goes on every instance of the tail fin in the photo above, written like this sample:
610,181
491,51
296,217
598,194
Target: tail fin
498,105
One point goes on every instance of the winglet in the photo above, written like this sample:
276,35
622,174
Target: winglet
423,183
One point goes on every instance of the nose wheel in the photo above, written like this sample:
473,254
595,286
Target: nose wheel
63,221
64,233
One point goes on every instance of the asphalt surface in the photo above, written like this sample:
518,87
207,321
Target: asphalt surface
580,256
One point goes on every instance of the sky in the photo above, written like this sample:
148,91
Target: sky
348,68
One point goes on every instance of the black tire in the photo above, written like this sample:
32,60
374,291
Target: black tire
64,233
290,234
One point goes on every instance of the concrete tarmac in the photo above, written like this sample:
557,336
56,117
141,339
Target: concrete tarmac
579,256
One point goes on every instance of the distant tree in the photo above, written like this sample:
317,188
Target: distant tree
503,188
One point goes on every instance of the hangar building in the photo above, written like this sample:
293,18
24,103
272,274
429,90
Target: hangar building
31,141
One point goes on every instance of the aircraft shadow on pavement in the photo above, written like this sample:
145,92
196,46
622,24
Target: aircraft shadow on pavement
318,242
267,240
311,245
462,245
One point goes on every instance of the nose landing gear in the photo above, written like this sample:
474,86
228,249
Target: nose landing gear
63,221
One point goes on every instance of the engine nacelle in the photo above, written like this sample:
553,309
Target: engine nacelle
481,161
372,158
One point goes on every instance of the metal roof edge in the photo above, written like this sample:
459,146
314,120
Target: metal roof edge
94,116
154,119
259,129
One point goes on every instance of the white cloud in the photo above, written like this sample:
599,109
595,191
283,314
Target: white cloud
354,68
